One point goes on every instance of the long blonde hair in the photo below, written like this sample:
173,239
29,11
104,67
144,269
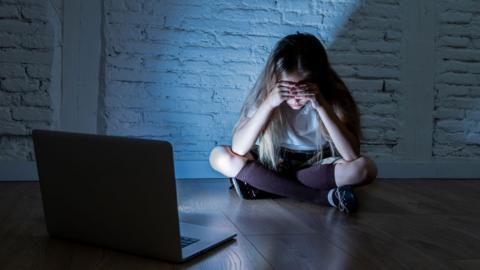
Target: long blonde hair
302,53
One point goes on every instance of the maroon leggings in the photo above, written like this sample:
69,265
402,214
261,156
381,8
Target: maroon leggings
309,184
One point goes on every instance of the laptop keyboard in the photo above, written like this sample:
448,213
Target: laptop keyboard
185,241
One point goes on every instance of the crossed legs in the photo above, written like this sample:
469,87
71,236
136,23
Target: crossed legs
360,171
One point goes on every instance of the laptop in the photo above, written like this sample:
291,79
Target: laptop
116,192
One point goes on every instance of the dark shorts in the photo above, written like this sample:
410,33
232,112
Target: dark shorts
294,160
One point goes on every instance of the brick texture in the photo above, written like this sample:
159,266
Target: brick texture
457,80
179,70
26,42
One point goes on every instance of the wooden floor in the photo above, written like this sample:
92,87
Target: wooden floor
402,224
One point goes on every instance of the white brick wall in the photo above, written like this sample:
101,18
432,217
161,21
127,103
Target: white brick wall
457,80
368,58
26,46
179,70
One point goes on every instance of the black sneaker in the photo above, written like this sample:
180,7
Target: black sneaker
244,190
347,201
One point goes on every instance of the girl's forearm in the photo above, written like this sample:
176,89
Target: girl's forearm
344,140
246,135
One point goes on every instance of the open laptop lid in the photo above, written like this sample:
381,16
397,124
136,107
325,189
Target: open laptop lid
111,191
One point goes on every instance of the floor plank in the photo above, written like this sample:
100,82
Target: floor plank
402,224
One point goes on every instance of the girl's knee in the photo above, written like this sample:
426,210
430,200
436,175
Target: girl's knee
367,169
223,160
219,156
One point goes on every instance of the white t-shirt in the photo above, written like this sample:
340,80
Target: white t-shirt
301,129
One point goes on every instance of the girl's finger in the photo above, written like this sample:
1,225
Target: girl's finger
310,86
286,83
285,92
300,93
298,90
306,89
304,96
285,97
285,88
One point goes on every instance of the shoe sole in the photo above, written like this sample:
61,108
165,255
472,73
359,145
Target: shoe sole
237,188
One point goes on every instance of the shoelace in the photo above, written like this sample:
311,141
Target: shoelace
340,196
249,191
253,191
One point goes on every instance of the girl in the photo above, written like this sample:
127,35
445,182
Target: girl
299,134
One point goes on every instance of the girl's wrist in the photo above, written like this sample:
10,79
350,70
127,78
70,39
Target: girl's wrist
268,104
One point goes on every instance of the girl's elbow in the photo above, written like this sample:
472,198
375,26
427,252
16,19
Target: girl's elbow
237,146
238,150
